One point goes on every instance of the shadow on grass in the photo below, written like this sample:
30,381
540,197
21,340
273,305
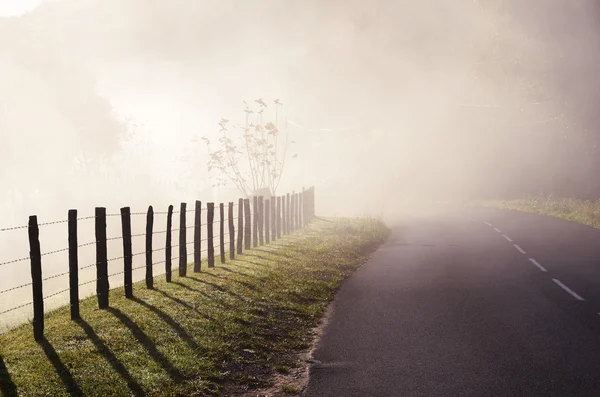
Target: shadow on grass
7,387
179,330
204,294
114,362
215,286
147,343
179,302
62,371
242,283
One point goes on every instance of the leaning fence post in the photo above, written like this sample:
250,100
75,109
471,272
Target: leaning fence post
197,235
168,246
127,251
278,215
261,219
210,217
182,241
35,256
231,231
267,211
248,225
300,210
240,236
222,231
102,284
149,227
73,266
255,221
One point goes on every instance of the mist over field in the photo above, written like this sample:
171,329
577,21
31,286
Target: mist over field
104,103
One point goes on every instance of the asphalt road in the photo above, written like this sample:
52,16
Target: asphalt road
480,303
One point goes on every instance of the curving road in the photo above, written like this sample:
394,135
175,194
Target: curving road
485,303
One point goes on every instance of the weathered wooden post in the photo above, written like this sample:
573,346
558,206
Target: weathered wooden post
261,219
255,221
127,251
240,236
222,232
247,225
168,246
35,256
73,266
231,231
197,235
149,228
182,241
267,211
210,217
102,285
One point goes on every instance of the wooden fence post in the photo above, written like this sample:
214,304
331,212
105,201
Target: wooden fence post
182,241
283,216
255,221
288,213
267,220
273,218
197,235
127,251
168,245
293,213
149,228
102,285
296,200
73,266
240,236
231,231
261,219
222,232
35,256
210,217
278,216
247,225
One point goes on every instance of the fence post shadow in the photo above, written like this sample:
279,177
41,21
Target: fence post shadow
147,343
7,387
134,387
62,371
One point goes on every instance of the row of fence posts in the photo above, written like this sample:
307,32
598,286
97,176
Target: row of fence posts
270,219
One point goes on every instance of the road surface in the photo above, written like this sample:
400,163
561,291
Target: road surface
480,303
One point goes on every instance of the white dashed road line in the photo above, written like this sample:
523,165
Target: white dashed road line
487,223
569,290
542,268
507,238
498,230
519,249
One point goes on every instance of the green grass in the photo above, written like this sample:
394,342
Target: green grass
586,212
216,332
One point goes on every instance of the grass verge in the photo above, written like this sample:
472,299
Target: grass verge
222,331
586,212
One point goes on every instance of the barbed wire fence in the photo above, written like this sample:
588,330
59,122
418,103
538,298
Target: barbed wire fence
259,221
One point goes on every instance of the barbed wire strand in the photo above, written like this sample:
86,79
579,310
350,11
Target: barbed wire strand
16,308
15,261
56,293
55,276
15,288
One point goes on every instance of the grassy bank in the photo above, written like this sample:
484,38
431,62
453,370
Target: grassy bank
221,331
586,212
